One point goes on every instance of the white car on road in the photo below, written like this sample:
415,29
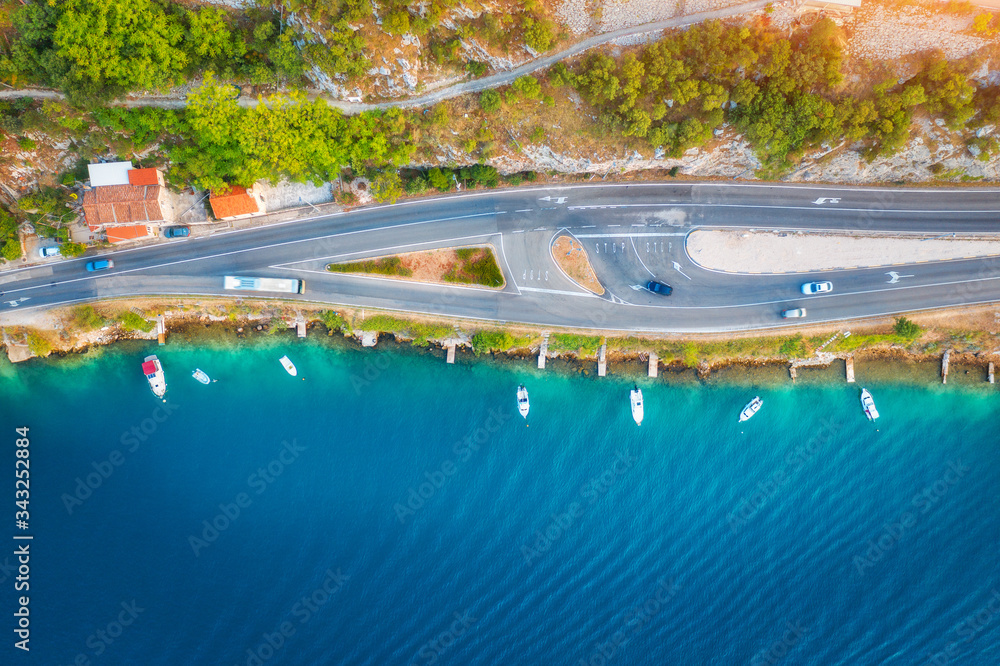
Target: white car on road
810,288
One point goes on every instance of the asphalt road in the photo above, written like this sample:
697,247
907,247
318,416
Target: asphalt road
632,232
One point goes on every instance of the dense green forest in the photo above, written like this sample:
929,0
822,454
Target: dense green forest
96,50
785,94
782,93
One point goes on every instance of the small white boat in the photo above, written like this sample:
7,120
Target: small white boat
154,375
868,404
635,399
288,366
201,376
522,400
751,409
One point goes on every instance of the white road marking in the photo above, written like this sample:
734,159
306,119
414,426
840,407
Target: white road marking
677,267
823,200
559,292
894,277
779,207
523,210
640,258
623,234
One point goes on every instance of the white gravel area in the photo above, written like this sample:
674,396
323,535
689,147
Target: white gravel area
617,14
802,252
888,33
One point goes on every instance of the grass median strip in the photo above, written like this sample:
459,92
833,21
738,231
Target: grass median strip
465,265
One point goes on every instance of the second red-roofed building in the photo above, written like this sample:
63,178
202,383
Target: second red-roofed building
236,202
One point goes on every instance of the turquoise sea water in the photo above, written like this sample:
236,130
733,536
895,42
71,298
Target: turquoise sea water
391,509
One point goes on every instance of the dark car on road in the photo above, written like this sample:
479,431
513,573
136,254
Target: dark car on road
100,265
177,232
659,288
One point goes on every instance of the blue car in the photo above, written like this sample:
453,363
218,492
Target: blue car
100,265
659,288
176,232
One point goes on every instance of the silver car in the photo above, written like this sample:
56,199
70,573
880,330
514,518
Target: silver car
793,314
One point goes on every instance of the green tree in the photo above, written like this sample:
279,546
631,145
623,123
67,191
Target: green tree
439,179
387,186
11,249
106,47
397,22
906,328
538,33
209,36
489,101
72,249
527,87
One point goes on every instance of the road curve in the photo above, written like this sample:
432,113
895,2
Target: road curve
632,232
476,85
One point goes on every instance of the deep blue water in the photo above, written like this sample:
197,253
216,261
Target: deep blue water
810,537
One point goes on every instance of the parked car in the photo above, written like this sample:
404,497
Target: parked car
810,288
100,265
177,232
793,314
49,251
659,288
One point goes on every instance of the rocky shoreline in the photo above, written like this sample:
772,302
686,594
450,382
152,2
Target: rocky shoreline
624,355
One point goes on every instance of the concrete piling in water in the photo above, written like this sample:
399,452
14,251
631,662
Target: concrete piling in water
850,369
991,372
792,372
602,360
161,330
944,366
451,353
654,364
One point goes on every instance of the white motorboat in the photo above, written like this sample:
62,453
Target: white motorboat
288,366
868,404
635,399
522,400
201,376
751,409
154,375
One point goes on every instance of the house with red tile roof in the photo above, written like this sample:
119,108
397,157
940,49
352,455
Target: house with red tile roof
124,202
236,202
